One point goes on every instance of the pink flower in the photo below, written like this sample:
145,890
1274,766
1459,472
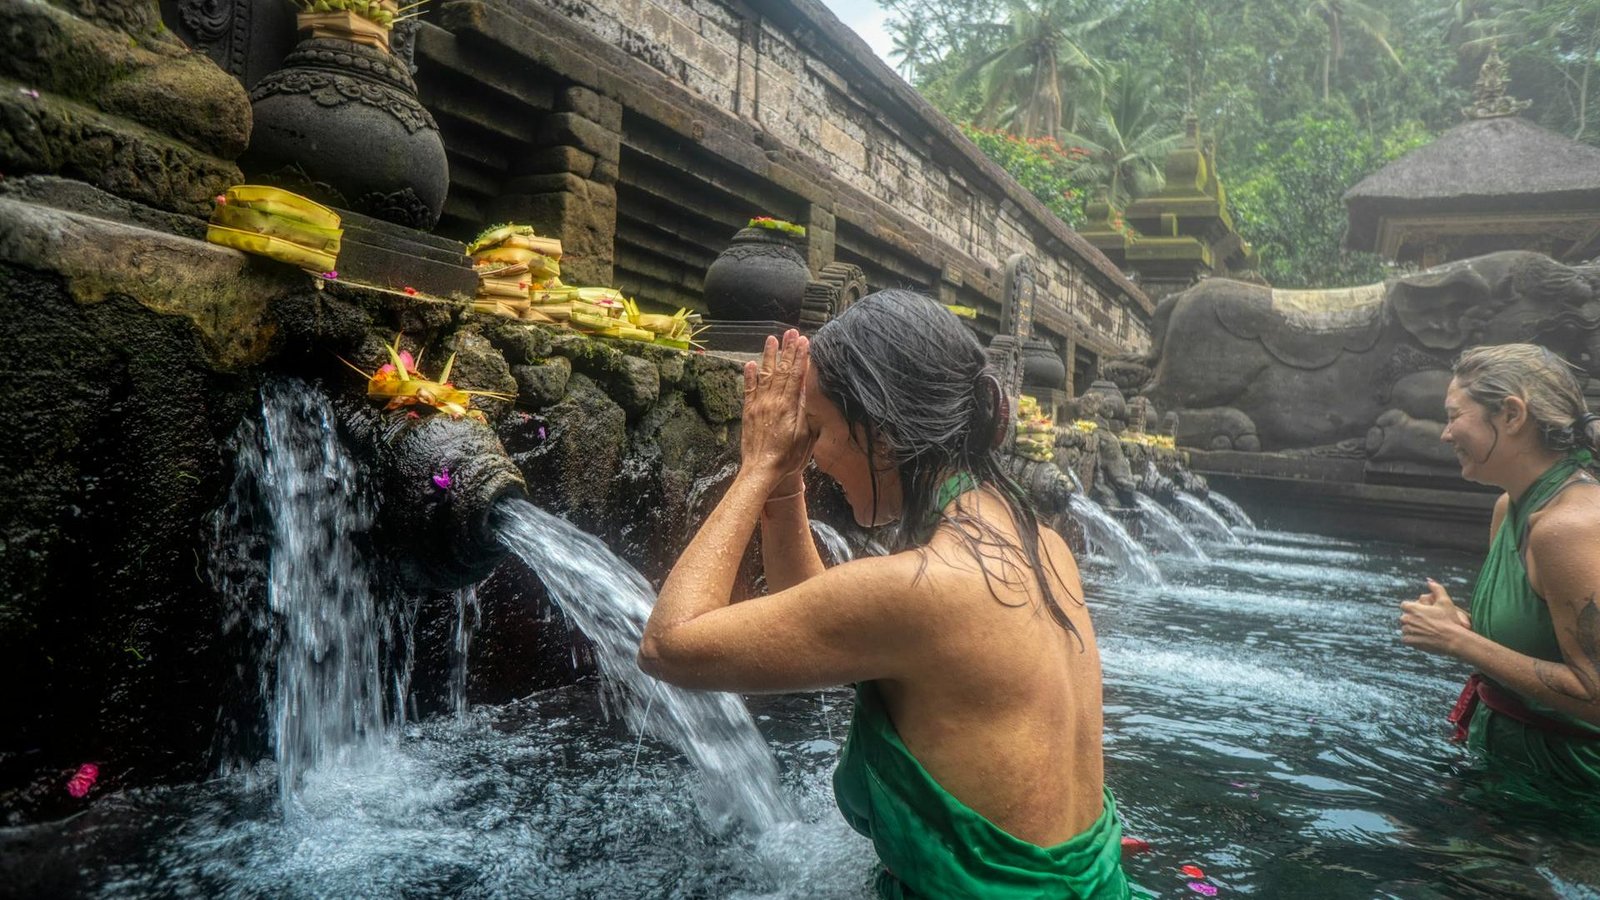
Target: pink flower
331,275
409,361
80,783
1200,887
222,199
442,480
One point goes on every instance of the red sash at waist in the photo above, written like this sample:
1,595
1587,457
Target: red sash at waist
1504,702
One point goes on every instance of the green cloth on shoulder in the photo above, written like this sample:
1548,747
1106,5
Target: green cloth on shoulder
932,845
1506,609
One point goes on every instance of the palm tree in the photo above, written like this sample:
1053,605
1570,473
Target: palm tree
1128,137
1022,80
1353,14
910,49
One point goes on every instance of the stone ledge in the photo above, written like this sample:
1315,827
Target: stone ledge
223,292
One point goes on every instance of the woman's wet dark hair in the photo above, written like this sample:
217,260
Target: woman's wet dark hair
917,381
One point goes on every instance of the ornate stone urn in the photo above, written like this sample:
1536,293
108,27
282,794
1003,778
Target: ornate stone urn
340,122
1042,366
762,276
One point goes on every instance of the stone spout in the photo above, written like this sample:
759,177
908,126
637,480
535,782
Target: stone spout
439,480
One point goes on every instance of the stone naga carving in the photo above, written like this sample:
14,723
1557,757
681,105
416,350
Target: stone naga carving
1250,368
440,478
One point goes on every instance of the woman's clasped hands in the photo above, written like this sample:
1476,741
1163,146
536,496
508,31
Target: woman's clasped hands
1433,623
775,440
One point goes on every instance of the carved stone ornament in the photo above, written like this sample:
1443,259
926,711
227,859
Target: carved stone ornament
1490,100
346,115
336,72
1020,291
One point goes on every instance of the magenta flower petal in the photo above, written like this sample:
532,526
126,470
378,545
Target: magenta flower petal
83,780
1200,887
442,480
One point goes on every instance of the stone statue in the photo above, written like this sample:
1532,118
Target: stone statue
1251,368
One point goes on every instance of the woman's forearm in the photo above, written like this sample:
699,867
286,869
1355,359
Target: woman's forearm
788,554
703,578
1553,684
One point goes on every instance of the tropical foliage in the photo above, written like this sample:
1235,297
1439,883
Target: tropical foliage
1041,165
1301,97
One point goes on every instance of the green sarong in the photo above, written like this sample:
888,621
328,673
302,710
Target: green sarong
932,845
1507,610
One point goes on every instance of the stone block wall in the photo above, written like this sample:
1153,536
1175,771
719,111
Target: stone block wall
671,122
147,350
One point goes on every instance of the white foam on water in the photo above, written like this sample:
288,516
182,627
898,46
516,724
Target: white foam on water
1208,677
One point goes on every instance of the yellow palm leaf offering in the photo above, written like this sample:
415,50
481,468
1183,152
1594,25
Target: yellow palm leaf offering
1036,434
277,224
402,386
519,276
512,262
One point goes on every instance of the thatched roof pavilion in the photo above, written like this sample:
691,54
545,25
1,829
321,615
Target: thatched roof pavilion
1494,182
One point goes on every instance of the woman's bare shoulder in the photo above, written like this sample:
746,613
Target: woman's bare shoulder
1569,523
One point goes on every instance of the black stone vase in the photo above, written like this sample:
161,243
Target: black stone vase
760,277
1042,366
340,123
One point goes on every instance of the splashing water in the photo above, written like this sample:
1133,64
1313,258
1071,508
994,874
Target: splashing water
1233,511
1165,529
610,602
1107,537
466,609
703,484
1198,513
326,702
832,541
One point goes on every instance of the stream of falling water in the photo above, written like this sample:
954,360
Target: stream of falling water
610,602
319,613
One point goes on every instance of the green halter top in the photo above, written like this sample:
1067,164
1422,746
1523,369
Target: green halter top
1507,610
933,845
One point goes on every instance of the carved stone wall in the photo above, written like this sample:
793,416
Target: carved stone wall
649,131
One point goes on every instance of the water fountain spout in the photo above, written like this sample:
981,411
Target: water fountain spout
440,479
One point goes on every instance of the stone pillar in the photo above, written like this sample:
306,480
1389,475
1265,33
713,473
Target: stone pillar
821,227
950,283
567,187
